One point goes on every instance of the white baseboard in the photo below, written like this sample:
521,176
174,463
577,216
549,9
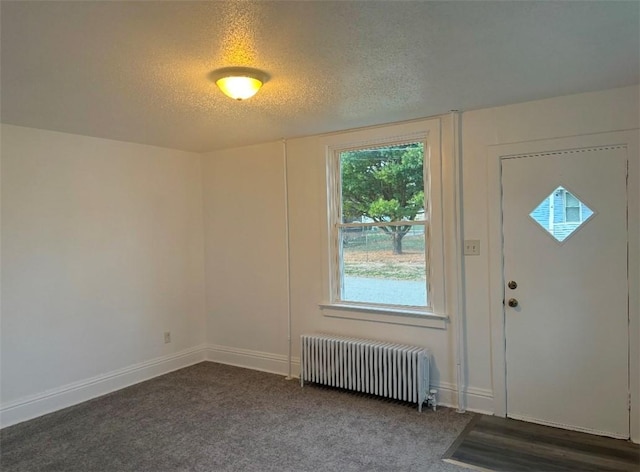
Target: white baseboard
478,400
255,360
55,399
30,407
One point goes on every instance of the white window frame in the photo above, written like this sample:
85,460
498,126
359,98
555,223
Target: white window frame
433,315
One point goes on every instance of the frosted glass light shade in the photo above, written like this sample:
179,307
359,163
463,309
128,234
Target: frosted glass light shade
239,88
239,83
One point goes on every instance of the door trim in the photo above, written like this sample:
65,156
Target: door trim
495,154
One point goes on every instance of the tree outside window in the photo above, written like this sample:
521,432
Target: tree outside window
382,227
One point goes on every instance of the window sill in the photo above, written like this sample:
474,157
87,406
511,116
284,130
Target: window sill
401,316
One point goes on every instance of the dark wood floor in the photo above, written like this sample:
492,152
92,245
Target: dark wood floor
500,444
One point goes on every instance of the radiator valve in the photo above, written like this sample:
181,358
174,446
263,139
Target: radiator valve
432,400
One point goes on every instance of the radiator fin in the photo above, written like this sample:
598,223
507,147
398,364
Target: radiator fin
389,370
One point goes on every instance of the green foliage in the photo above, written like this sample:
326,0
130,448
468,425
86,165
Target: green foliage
384,184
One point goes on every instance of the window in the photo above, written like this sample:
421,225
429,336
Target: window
385,241
561,213
381,225
571,208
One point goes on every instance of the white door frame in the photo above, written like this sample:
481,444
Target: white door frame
629,139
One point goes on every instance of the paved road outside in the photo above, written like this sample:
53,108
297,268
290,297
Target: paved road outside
394,292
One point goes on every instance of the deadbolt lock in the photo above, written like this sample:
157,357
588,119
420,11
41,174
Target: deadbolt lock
513,302
512,284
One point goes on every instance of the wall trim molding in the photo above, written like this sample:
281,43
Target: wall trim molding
495,152
477,400
32,406
250,359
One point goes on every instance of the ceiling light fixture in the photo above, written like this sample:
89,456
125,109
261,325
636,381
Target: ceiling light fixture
239,83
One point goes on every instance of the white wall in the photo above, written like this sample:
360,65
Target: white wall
247,310
597,112
247,285
246,265
102,251
308,234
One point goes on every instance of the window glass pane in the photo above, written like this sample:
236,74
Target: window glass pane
384,265
382,183
573,214
572,201
572,208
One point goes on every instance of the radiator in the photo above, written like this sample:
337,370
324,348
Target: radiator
389,370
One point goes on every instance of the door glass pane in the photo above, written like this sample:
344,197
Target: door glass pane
561,213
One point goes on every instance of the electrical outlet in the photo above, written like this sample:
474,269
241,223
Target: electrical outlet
167,337
472,247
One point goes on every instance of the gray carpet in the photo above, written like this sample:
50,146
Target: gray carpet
211,417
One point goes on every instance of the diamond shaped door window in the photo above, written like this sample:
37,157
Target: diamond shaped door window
561,214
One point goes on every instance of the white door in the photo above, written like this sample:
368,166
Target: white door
565,247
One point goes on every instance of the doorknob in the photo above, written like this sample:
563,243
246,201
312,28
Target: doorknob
513,302
512,284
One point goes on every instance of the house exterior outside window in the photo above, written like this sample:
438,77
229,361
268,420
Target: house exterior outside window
561,213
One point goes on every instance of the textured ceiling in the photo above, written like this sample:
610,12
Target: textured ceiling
138,71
